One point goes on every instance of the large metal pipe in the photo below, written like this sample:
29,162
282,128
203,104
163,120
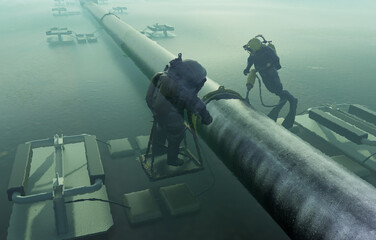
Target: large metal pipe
310,196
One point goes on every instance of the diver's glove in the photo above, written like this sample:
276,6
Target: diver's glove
249,86
245,72
277,65
206,118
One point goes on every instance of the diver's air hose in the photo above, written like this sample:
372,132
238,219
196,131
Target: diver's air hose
262,102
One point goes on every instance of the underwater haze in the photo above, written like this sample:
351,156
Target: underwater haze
326,48
327,51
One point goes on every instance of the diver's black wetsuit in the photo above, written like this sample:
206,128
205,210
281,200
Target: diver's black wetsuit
267,63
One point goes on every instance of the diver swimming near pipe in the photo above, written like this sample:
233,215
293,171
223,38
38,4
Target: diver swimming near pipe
308,195
263,56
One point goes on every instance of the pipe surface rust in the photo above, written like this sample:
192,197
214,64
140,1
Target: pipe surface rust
306,193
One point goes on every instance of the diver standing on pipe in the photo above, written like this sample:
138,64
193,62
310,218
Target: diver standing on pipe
169,94
265,60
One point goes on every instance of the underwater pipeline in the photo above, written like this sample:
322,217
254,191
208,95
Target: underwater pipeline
306,193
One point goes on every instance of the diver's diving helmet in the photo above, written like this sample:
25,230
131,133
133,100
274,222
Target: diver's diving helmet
253,45
190,72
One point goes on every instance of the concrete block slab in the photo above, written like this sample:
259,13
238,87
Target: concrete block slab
142,143
179,199
143,206
120,148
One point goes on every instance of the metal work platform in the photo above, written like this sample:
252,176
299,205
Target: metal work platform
63,11
49,180
63,35
346,132
157,30
86,37
156,166
119,10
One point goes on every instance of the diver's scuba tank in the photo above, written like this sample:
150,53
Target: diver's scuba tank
190,73
271,46
266,43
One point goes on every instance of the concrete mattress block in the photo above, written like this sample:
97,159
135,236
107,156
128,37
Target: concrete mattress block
120,148
142,143
179,199
143,206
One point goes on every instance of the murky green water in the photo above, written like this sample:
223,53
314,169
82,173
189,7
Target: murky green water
327,52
